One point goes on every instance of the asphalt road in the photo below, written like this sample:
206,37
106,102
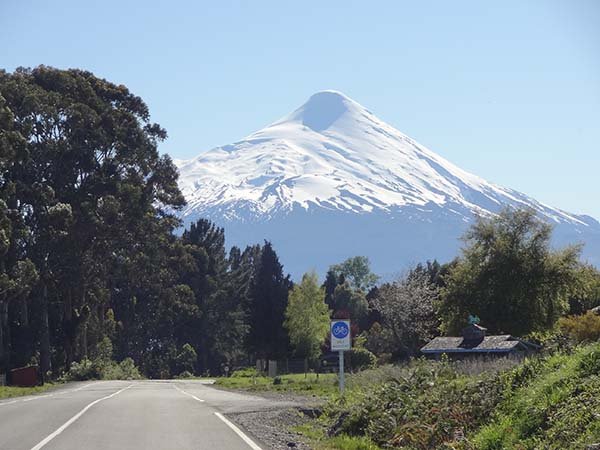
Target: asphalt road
124,415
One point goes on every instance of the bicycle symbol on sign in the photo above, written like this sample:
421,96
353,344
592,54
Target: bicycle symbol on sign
340,330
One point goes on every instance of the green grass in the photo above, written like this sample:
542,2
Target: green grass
550,402
558,408
347,443
542,403
315,433
323,385
15,391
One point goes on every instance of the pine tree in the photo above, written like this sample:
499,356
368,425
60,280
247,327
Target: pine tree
332,280
269,297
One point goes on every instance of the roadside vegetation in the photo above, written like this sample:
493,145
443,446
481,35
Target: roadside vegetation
322,385
96,283
17,391
549,402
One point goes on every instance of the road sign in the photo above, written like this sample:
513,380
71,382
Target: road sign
340,341
340,335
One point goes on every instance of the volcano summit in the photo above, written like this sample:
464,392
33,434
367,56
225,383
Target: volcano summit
331,180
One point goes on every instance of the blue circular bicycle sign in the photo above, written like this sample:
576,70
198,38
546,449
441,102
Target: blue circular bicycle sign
340,330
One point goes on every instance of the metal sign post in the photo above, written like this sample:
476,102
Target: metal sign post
342,381
340,341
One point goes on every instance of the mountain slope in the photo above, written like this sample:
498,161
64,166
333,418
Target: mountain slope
331,180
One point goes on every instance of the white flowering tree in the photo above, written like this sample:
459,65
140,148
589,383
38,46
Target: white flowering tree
407,311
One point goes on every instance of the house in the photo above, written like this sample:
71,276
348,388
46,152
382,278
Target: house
474,342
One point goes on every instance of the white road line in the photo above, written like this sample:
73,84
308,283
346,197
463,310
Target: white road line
37,397
8,403
188,394
82,387
74,418
239,432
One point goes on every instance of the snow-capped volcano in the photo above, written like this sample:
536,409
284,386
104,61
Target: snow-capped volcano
332,169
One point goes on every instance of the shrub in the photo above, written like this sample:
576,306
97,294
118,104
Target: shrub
185,374
485,365
247,372
419,406
584,328
352,443
590,363
129,371
277,380
361,358
80,371
101,369
186,358
551,403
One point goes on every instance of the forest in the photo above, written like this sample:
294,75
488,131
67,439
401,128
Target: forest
96,272
91,264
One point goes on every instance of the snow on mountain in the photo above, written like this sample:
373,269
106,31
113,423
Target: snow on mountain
370,189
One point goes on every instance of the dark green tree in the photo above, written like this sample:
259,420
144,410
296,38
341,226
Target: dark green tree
86,172
584,294
357,271
349,303
220,287
268,301
332,280
509,276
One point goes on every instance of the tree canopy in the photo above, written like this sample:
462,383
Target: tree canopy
307,317
509,276
357,271
407,310
94,264
89,257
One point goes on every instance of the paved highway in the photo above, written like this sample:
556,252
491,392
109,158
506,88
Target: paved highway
124,415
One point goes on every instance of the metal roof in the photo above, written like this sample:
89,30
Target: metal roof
489,344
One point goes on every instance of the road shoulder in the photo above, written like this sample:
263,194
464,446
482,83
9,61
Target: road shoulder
274,426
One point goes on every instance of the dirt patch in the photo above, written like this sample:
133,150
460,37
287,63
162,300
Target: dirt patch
275,426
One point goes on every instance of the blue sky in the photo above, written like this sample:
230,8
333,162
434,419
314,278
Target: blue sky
508,90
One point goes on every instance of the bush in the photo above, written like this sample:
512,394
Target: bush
584,328
361,358
549,403
486,365
82,370
417,406
247,372
590,363
277,380
128,369
186,358
185,374
101,369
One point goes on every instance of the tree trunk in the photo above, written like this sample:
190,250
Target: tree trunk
68,328
24,313
5,346
84,341
45,364
1,343
204,354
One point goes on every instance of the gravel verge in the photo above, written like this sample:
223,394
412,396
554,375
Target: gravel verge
274,426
